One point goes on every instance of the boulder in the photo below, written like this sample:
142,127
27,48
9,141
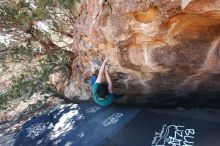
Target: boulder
156,48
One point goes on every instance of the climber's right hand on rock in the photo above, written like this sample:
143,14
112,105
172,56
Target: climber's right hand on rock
106,59
106,68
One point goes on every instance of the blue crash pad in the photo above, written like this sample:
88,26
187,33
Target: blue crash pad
35,132
88,124
75,124
156,129
99,128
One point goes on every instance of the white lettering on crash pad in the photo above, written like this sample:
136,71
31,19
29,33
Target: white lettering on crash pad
93,109
113,119
174,135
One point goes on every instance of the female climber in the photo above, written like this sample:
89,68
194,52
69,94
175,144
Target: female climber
102,91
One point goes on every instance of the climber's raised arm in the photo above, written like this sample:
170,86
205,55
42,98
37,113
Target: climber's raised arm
108,80
101,71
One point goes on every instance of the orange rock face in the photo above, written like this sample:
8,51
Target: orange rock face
155,47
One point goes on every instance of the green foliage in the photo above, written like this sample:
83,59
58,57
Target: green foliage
39,14
8,14
34,78
20,53
23,13
23,16
67,4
